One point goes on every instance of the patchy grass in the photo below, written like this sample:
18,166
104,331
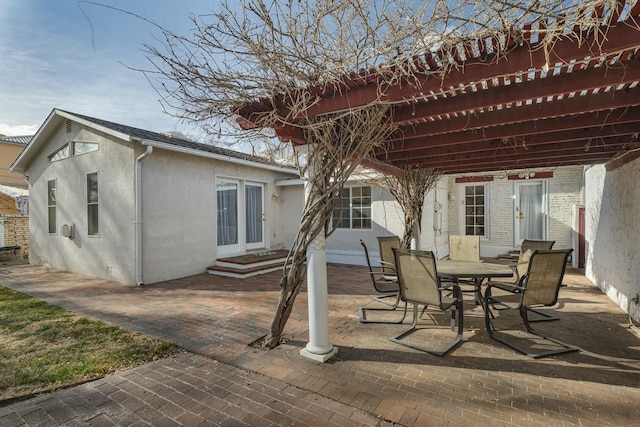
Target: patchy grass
44,347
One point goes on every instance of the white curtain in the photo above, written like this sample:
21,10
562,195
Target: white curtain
227,195
531,219
253,204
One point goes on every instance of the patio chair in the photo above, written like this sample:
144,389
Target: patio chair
538,287
419,284
388,288
526,249
466,248
388,263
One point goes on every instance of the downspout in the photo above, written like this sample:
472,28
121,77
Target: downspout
138,224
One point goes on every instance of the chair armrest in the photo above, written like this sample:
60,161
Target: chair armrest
506,286
386,264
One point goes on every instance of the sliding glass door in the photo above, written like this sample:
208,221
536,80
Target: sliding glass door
240,218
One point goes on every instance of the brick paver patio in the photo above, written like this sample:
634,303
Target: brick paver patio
220,380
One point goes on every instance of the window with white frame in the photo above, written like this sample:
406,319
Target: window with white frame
92,204
52,206
475,210
352,209
73,148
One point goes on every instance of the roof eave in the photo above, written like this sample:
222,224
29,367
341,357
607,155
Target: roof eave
222,157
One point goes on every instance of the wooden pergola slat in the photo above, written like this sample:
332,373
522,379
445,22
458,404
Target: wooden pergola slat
502,102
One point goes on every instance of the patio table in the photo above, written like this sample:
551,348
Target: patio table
477,271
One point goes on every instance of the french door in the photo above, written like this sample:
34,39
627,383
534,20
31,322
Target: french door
254,215
530,211
240,221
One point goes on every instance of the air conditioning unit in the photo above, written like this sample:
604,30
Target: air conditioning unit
67,231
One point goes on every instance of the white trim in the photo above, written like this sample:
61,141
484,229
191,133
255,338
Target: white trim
239,247
94,125
288,182
544,184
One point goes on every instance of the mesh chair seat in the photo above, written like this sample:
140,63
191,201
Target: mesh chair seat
387,262
419,284
389,290
540,286
466,248
526,249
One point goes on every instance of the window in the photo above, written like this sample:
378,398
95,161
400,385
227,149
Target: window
62,153
73,148
92,204
51,206
352,209
474,210
80,147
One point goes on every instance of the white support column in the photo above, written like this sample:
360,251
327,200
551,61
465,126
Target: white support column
318,348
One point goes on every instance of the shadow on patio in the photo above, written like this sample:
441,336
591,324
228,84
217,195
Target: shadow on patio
480,382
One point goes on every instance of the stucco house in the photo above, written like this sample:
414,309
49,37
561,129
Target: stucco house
134,206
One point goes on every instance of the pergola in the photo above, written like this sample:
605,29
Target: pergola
506,102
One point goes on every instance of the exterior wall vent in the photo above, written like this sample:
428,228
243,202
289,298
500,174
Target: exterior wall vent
68,125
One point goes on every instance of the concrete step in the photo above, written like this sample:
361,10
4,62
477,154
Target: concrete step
250,264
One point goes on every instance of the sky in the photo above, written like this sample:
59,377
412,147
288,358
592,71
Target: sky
73,55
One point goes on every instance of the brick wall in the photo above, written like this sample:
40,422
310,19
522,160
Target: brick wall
16,232
565,191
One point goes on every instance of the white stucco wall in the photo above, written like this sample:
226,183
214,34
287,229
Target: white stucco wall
109,255
564,193
179,211
289,206
343,245
612,228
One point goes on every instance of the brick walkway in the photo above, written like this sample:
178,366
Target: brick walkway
372,381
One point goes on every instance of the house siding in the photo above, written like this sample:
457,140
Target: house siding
564,193
8,153
109,255
612,228
343,245
179,211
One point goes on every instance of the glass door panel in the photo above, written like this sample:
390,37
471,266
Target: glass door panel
227,216
254,215
529,211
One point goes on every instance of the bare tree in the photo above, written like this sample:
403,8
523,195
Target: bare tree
409,190
286,55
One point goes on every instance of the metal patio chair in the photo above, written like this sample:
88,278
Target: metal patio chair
466,248
387,286
526,249
538,287
419,284
388,263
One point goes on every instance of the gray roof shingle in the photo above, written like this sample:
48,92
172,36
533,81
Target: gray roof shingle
20,140
176,140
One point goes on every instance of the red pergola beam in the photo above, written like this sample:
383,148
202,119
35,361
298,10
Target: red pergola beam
561,84
524,164
476,141
593,103
572,149
617,38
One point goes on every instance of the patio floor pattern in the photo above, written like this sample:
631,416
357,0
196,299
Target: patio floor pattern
479,383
